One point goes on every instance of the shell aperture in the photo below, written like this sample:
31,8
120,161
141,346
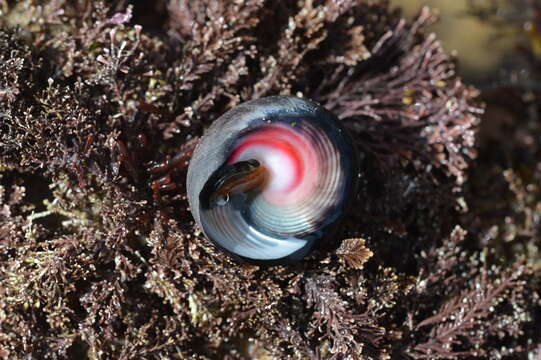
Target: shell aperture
270,178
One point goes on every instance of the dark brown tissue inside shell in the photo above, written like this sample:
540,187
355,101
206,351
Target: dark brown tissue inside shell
270,178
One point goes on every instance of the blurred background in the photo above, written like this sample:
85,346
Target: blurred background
483,34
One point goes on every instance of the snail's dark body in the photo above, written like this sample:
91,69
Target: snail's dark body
297,168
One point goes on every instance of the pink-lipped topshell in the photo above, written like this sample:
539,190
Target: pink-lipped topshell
271,178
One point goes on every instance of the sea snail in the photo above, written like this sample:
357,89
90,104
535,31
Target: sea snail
272,177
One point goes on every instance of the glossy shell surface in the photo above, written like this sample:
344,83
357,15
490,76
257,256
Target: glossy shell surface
306,171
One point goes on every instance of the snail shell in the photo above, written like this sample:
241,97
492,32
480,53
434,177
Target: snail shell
272,177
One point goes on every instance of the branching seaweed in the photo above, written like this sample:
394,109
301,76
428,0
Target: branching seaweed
89,269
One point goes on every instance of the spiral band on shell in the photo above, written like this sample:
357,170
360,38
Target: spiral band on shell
272,177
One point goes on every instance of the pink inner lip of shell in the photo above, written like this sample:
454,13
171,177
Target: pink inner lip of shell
289,157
